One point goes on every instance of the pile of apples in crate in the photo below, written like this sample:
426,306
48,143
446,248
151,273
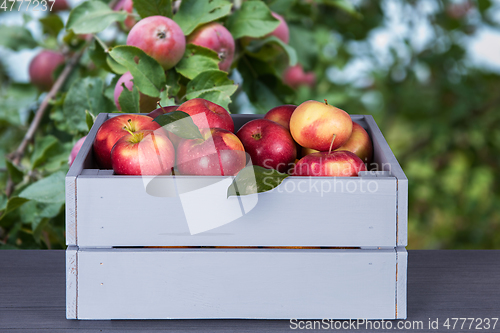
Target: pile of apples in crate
327,140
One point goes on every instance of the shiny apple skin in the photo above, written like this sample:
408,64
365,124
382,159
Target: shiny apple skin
113,129
146,153
216,37
269,144
359,143
219,153
313,125
340,163
217,116
281,115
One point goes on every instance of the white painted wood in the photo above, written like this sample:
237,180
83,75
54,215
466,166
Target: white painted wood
401,279
117,211
385,160
83,161
260,284
71,282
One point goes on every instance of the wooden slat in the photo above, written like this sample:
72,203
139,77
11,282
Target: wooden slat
117,211
211,283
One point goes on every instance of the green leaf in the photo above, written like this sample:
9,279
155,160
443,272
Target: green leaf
253,19
16,175
255,179
213,86
263,87
173,84
165,100
197,59
193,13
12,204
16,38
42,146
52,24
36,213
179,123
345,5
263,48
149,76
92,17
129,100
98,55
147,8
85,94
89,119
48,190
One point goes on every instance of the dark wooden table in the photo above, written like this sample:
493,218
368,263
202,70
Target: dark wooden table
441,285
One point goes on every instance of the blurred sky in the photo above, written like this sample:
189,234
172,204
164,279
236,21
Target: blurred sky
483,47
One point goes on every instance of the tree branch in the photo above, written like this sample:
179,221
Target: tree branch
18,154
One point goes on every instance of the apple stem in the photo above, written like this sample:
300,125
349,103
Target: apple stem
326,102
331,143
161,106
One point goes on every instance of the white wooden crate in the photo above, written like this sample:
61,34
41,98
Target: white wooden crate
110,218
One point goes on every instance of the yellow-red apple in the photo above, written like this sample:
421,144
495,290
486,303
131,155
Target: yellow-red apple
320,126
359,143
219,153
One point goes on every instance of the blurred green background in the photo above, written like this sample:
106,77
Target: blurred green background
428,71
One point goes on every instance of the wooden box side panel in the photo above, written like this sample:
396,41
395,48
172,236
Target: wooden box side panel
84,159
277,284
118,211
71,282
385,160
401,278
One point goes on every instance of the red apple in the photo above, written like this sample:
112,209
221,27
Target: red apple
159,37
130,21
75,150
162,110
216,37
339,163
268,143
58,5
147,153
113,129
320,126
281,31
359,143
281,115
219,153
294,76
42,67
216,115
146,103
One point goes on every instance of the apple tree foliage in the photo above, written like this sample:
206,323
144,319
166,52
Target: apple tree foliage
437,109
